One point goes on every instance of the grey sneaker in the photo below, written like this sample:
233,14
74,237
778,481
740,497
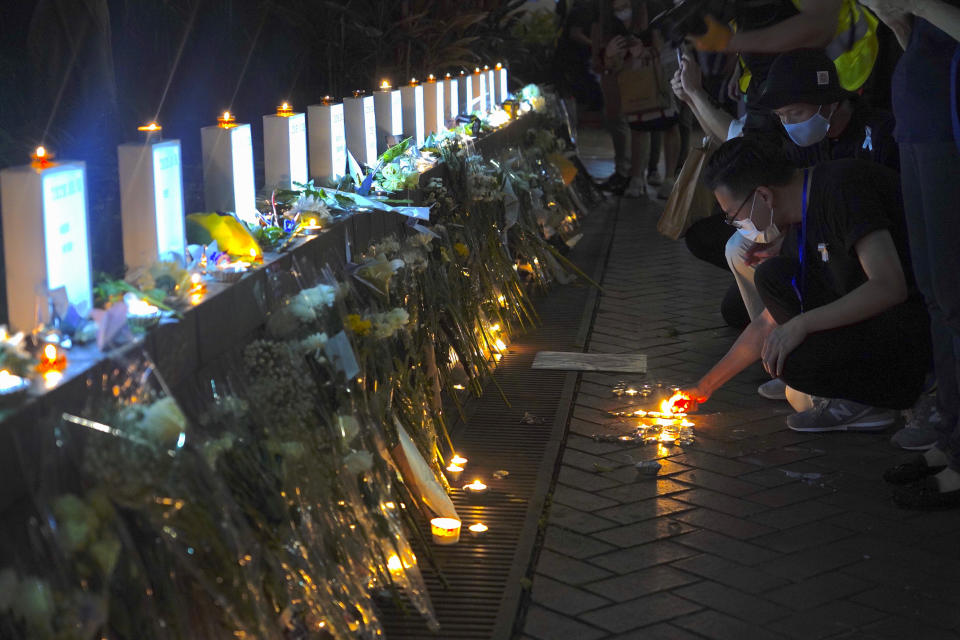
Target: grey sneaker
836,414
920,431
775,389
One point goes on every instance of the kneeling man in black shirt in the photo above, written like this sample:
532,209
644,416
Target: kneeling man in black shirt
843,321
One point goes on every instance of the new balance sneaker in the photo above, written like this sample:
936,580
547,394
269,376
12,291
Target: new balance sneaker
775,389
920,431
835,414
637,188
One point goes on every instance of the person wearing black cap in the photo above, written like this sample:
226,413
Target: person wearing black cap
821,118
842,321
803,88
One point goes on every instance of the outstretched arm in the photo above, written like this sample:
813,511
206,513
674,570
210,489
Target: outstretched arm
813,28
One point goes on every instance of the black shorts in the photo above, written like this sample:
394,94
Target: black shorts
656,124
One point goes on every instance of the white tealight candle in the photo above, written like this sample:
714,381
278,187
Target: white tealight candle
478,529
454,471
445,530
458,460
475,488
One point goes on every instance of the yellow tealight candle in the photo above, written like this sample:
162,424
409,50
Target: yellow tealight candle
478,529
445,530
457,459
454,471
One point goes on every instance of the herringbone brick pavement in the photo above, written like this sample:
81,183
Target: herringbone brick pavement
754,531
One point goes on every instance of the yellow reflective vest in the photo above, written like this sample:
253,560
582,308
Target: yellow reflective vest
853,49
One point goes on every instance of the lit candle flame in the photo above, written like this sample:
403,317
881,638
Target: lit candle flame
478,528
499,65
385,84
285,110
500,345
678,403
413,82
431,78
50,353
150,127
41,157
51,379
476,70
458,460
227,120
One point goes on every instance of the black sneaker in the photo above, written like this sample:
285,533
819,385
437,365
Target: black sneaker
615,184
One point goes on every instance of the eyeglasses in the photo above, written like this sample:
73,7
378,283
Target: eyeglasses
730,218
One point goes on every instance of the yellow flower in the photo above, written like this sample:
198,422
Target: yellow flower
462,250
357,325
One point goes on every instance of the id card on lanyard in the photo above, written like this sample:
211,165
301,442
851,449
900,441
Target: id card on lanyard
799,277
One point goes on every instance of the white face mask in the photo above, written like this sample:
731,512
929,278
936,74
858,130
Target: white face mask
810,131
749,230
624,15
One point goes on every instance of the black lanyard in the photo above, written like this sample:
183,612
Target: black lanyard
799,279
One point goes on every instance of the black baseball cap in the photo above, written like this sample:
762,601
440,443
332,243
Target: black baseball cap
804,75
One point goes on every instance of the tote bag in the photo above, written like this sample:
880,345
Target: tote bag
690,200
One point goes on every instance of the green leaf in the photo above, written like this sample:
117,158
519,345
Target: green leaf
395,151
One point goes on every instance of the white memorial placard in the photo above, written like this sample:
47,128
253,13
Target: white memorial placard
492,101
464,92
359,117
151,200
228,183
451,98
411,99
44,239
500,83
285,148
328,142
433,103
478,92
388,110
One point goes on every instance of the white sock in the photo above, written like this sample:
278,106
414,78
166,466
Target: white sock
935,457
948,479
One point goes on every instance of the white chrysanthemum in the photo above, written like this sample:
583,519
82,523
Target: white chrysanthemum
349,427
163,422
357,462
302,310
387,324
311,204
312,343
322,295
215,448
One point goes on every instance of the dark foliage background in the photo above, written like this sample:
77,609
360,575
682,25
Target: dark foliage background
81,75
